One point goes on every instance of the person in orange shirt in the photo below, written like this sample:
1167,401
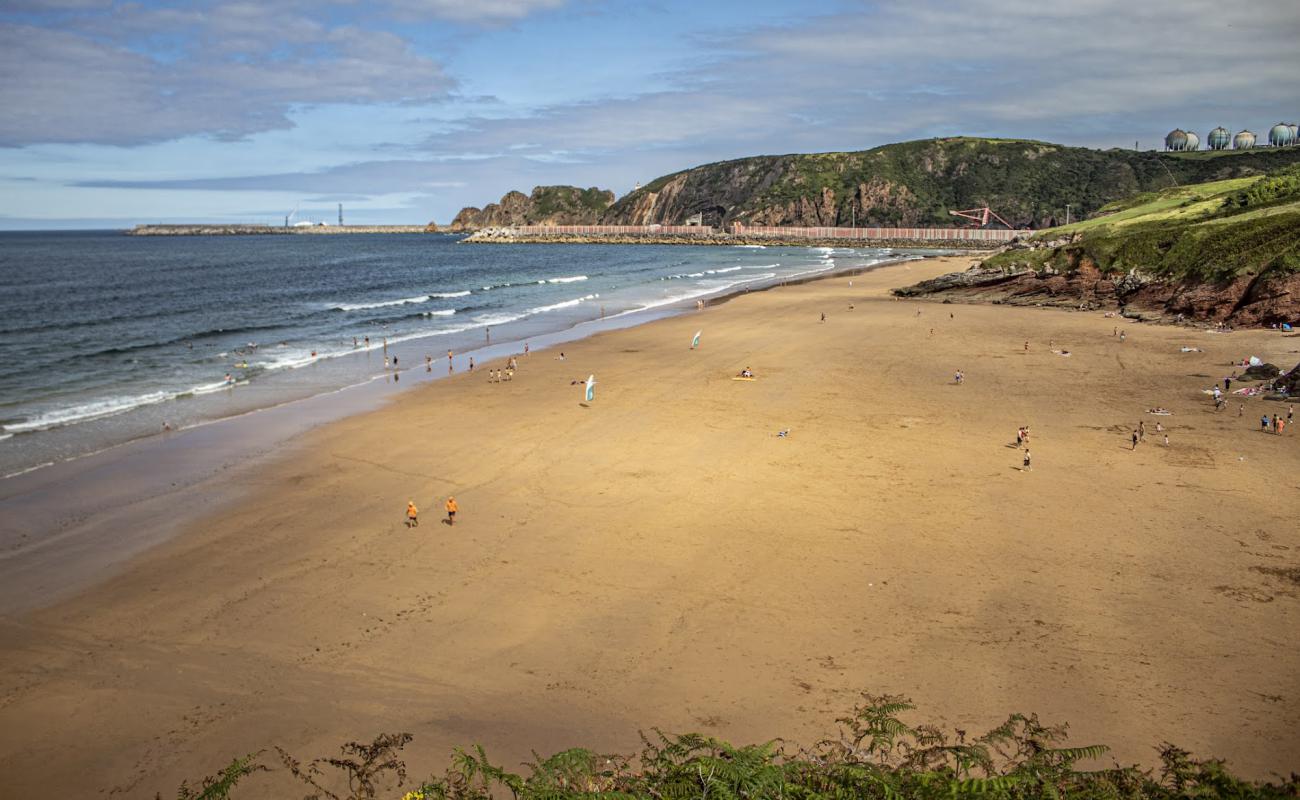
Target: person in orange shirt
451,510
412,515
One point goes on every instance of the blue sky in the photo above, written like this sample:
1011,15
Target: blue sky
116,113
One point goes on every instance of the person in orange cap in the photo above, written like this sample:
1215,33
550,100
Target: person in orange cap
451,510
412,515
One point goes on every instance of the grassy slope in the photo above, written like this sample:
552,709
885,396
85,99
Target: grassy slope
1213,231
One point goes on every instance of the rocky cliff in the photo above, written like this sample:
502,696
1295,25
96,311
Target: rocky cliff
1223,251
547,205
917,183
1243,301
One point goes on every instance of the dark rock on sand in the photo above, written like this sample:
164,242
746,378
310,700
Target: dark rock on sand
1261,372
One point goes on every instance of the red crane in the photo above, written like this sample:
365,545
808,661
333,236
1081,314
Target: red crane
980,217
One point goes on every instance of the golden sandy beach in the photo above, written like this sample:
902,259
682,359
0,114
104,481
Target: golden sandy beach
660,557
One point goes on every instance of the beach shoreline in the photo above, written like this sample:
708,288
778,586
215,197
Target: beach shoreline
57,538
659,556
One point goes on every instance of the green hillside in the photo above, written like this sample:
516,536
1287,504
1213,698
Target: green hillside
1029,183
1209,231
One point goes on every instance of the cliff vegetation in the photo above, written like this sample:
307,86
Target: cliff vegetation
1219,251
1029,183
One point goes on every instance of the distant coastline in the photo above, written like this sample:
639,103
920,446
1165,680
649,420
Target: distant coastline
266,230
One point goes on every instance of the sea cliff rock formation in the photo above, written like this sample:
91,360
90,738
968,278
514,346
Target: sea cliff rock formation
915,184
1224,251
547,205
1247,300
910,184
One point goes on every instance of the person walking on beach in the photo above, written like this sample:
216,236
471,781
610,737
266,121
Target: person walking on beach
451,510
1263,423
1135,440
1275,430
471,363
412,515
1142,430
1028,466
823,316
1241,410
1227,385
525,348
1166,440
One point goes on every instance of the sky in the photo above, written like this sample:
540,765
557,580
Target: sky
118,113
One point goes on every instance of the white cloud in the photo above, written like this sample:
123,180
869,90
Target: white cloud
479,11
241,69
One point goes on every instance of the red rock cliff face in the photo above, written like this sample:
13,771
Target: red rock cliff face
1246,301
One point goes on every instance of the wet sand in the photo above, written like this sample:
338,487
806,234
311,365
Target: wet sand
659,557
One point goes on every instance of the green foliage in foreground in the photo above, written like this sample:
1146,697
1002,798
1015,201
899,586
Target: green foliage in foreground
875,755
1212,232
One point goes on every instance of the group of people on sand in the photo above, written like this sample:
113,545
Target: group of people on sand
506,373
1277,423
413,513
1139,434
1022,440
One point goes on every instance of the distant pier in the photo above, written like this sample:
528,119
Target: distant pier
272,230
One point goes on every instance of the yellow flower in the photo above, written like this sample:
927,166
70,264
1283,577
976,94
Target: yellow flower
415,795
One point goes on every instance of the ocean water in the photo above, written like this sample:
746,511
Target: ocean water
105,338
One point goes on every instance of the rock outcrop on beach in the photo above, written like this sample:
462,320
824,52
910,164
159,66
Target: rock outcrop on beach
1245,301
917,183
1289,383
547,205
1222,252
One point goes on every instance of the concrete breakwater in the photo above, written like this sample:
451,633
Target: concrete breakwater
271,230
505,236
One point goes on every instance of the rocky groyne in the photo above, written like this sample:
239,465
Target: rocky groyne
508,236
